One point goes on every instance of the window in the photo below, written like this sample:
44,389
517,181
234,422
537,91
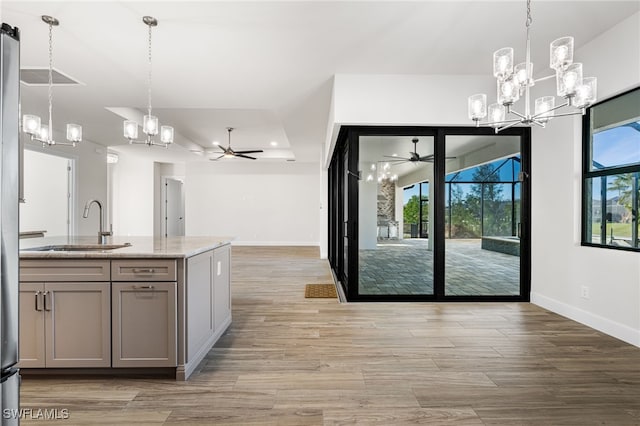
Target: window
611,173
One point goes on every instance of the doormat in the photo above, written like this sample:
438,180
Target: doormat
320,290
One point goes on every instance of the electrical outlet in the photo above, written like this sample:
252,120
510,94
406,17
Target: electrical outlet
584,292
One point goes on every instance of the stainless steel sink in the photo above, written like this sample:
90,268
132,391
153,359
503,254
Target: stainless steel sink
78,247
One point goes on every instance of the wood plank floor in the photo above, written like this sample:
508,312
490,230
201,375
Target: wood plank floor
289,360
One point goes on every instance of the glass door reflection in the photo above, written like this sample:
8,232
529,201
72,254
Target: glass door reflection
483,216
394,216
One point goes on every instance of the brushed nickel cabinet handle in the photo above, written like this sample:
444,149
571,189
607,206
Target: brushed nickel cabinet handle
38,301
143,271
143,287
46,301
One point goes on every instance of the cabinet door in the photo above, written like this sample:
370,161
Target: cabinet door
78,324
221,285
31,348
144,324
200,325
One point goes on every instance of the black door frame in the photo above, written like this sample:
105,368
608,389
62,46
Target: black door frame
349,137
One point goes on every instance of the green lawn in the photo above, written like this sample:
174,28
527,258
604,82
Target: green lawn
622,230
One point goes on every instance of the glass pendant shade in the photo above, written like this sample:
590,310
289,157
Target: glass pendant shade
43,133
497,114
74,132
166,134
150,125
130,129
569,79
561,53
521,76
503,63
586,93
508,92
477,106
543,108
31,124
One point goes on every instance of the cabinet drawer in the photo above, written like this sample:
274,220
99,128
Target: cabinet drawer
56,270
143,270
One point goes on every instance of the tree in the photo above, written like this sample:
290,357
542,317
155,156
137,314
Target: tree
411,211
624,185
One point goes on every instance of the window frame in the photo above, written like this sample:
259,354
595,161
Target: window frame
588,173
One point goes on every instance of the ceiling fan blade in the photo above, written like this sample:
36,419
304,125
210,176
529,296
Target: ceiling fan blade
248,152
397,158
217,158
244,156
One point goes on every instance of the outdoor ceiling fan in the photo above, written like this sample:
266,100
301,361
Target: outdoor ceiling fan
414,156
228,152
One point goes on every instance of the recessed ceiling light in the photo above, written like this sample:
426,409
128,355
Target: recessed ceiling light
274,143
216,143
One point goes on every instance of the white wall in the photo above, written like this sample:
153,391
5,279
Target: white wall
257,203
560,266
89,180
46,185
133,196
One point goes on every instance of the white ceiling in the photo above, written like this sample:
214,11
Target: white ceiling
266,67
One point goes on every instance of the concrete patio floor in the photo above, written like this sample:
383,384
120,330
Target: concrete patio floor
406,267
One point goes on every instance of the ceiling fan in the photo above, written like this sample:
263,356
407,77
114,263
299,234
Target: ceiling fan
228,152
414,156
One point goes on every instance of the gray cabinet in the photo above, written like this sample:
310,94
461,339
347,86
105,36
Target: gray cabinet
207,303
144,324
144,315
200,318
32,343
65,324
222,285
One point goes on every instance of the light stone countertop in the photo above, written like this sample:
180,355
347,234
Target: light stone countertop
141,247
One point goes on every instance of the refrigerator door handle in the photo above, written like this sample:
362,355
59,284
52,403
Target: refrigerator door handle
38,301
46,301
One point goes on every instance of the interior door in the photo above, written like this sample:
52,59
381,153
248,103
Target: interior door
174,208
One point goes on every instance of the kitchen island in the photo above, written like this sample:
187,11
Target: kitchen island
134,304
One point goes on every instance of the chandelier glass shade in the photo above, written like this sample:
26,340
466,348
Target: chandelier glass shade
32,124
514,82
150,123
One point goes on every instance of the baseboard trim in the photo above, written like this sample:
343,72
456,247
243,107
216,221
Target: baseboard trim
612,328
276,243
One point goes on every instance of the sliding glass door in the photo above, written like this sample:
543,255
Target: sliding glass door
483,215
390,262
430,213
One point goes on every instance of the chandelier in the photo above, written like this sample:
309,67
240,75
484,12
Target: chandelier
150,123
514,82
31,124
382,170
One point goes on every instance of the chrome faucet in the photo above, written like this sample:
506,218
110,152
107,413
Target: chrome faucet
102,234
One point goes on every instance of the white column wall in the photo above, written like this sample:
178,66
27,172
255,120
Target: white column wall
133,196
367,214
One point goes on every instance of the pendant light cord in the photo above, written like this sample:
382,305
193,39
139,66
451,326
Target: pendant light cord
50,135
149,82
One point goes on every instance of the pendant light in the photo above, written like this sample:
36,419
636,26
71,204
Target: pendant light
515,81
150,125
31,124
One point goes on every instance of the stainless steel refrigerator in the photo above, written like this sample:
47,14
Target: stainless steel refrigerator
9,181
